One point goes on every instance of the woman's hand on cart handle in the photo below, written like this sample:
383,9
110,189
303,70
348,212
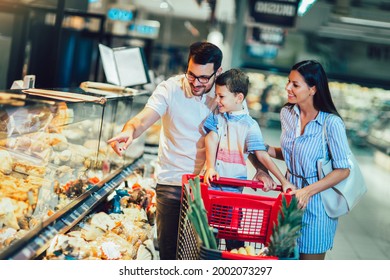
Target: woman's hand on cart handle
303,196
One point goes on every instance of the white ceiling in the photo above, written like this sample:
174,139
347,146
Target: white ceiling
225,10
178,8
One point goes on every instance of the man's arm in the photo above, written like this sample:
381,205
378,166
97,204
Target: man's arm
275,152
133,129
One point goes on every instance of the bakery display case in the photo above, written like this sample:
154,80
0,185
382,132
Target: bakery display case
118,109
46,163
55,165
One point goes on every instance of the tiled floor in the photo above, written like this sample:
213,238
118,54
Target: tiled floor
363,234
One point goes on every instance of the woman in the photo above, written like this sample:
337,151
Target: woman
302,119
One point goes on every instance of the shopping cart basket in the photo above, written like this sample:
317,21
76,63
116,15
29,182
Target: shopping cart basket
234,216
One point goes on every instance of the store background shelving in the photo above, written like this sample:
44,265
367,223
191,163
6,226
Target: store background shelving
365,110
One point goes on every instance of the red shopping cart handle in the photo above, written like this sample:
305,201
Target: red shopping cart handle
240,183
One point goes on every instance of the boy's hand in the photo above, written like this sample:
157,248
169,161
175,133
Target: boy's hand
209,176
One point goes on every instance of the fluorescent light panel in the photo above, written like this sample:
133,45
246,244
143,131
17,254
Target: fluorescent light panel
365,22
304,6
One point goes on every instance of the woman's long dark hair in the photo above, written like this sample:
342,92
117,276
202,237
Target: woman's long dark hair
314,75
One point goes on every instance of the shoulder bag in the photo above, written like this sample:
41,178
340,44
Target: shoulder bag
341,198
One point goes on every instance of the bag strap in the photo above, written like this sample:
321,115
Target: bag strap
325,138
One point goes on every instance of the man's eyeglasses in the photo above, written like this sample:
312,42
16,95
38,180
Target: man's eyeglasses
201,79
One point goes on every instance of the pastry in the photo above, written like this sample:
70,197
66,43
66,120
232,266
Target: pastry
22,143
65,155
5,162
29,169
58,141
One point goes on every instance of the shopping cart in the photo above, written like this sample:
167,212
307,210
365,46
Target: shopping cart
234,216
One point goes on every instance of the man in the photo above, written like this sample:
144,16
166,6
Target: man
182,102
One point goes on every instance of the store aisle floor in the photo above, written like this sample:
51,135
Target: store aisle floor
363,234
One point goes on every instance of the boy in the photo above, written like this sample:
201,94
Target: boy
232,134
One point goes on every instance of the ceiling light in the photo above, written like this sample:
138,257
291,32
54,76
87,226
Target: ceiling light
304,6
164,5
